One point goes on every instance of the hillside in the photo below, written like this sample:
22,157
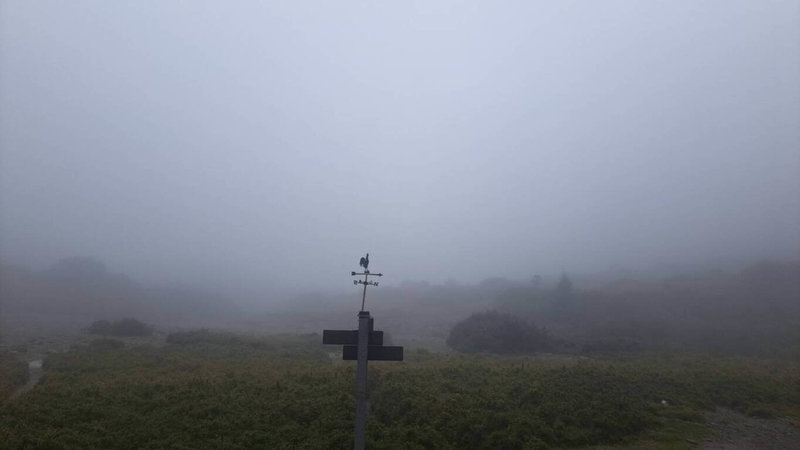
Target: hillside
754,312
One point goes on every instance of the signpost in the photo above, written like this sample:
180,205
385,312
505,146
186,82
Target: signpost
349,337
374,353
362,345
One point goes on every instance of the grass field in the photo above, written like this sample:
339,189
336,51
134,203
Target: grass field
215,390
13,374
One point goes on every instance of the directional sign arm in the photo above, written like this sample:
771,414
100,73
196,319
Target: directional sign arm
374,353
349,337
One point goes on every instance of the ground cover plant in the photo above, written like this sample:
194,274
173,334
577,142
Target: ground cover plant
13,373
286,392
123,327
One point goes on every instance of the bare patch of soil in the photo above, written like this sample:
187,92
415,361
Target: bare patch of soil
35,373
736,431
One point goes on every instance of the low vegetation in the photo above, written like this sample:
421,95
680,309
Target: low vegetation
208,337
13,373
630,364
106,344
126,327
207,389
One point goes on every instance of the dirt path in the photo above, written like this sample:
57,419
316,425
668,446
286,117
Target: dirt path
35,373
735,431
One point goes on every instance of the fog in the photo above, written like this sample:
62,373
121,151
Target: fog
258,147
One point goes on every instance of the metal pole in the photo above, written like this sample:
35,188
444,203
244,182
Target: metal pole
364,295
361,376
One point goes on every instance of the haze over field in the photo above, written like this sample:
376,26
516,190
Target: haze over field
258,147
587,214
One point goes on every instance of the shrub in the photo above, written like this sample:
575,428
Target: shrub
130,327
101,327
496,332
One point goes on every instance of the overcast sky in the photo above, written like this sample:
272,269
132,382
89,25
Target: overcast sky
273,143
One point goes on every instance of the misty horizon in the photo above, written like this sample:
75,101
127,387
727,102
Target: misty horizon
585,217
267,147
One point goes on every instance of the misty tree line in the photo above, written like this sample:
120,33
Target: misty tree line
753,312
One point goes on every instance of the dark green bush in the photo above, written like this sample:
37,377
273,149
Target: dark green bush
130,327
101,327
497,332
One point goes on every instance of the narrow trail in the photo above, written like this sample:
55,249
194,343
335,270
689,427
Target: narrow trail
736,431
35,373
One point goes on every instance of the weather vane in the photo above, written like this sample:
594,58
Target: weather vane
364,262
362,345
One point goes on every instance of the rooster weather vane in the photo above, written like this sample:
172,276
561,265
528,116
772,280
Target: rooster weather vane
364,263
362,345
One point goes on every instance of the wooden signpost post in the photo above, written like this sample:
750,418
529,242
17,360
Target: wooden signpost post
362,345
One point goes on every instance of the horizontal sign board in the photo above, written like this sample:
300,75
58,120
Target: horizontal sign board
349,337
374,353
